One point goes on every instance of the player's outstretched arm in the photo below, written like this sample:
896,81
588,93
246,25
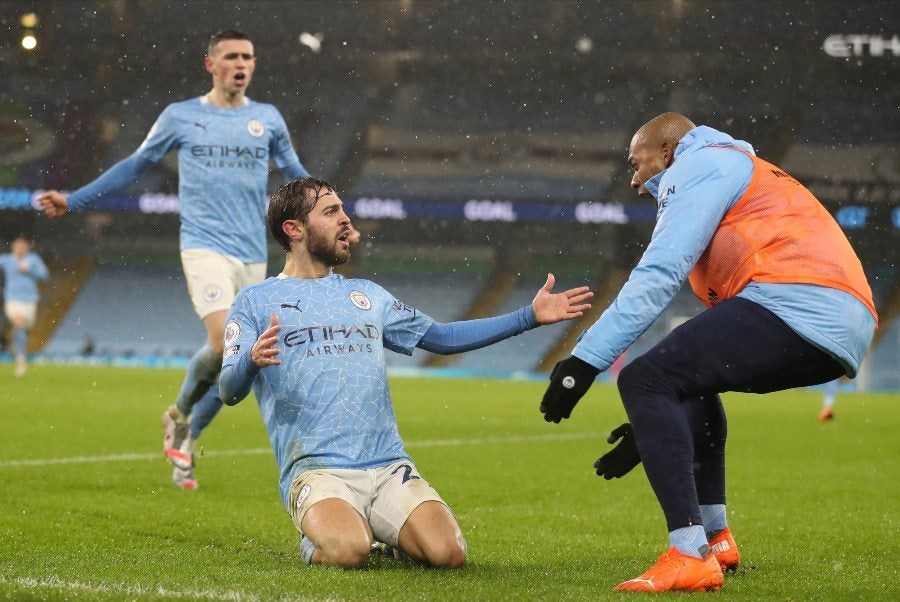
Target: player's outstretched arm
125,172
567,305
236,379
547,308
53,203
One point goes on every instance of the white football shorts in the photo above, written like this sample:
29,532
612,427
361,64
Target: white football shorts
25,310
213,279
385,497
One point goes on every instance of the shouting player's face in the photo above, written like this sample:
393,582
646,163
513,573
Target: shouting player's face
328,230
231,63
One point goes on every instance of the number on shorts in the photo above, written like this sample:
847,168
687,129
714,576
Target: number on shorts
407,473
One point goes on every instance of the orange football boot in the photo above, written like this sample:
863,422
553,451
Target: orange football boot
725,550
826,414
675,571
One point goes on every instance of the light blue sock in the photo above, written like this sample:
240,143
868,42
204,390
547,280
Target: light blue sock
307,548
831,389
20,338
690,540
201,375
713,517
205,410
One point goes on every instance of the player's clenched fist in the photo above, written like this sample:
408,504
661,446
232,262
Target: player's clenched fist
264,352
53,203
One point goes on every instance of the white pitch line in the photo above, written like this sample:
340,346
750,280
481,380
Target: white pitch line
57,584
257,451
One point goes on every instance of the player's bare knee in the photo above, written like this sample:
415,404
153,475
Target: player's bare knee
346,550
348,556
217,344
451,555
216,340
215,331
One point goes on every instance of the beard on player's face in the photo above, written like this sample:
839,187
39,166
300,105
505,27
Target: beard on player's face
327,250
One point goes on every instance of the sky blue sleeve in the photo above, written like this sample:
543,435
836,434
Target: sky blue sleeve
283,153
457,337
163,137
238,371
37,269
695,192
236,380
125,172
404,325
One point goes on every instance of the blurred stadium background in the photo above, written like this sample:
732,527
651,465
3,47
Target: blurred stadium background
478,146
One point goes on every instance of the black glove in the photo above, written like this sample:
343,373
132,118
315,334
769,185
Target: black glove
622,458
569,381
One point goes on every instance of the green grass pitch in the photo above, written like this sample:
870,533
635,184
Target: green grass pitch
87,511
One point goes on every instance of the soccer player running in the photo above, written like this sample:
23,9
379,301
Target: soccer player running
225,141
22,269
789,306
311,344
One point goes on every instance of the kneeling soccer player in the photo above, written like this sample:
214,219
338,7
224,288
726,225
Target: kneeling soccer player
311,344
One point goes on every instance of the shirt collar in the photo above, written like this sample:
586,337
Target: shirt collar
652,185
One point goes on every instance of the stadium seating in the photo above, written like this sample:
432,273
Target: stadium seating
848,138
440,141
525,351
407,103
131,311
880,373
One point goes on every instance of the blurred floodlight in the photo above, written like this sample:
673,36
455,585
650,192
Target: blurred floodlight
29,20
584,45
29,42
312,41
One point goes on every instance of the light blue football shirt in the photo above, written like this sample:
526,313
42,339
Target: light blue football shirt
223,171
327,405
693,195
22,286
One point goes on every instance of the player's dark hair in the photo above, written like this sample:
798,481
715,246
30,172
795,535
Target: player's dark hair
293,200
225,34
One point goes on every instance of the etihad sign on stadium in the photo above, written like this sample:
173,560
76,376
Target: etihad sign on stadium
855,44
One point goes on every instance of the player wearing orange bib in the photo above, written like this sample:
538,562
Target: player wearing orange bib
789,306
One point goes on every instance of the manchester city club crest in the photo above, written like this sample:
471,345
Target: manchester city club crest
360,300
212,292
256,128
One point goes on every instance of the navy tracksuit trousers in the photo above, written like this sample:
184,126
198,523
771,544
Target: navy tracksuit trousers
671,396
